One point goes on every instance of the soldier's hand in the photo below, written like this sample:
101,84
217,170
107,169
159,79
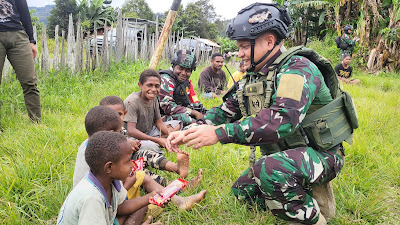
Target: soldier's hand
200,136
174,140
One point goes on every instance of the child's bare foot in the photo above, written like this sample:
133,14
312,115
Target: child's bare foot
148,222
195,181
187,203
183,163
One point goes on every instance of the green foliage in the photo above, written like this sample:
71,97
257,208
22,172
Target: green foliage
60,15
226,44
198,19
137,8
96,12
35,21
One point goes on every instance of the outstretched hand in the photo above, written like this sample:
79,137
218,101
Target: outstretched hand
197,137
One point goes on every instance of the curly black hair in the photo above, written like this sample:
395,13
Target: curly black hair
103,147
112,100
148,73
102,118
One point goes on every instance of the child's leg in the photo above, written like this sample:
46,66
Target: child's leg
134,218
184,203
159,179
158,161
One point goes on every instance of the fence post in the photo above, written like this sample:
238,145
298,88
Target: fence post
119,45
62,60
95,50
104,50
88,52
78,46
35,37
45,52
71,44
56,49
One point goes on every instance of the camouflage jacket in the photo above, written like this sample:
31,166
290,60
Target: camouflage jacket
167,102
298,84
346,39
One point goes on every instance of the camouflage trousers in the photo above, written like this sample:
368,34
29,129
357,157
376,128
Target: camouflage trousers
283,182
184,117
155,160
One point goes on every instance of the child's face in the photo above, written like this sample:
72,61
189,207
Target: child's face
119,109
150,88
120,170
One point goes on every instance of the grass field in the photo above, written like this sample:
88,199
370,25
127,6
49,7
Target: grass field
37,161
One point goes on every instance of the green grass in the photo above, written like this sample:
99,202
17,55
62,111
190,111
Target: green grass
37,161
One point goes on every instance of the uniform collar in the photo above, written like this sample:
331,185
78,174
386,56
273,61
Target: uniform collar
93,179
265,69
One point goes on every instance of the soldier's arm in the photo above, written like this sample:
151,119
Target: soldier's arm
227,112
167,102
297,87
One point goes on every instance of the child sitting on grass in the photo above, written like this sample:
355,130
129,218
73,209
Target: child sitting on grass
101,118
99,198
143,120
152,158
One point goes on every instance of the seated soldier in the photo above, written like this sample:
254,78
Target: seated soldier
178,100
344,71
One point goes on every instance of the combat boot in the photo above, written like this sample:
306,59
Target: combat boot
323,194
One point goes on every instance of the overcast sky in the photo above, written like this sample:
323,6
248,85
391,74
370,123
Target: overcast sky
225,8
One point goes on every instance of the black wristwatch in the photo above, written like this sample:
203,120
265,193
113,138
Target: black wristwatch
32,41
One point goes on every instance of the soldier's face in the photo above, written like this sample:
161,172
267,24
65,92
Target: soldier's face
263,44
182,73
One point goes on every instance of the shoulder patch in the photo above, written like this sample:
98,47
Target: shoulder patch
290,86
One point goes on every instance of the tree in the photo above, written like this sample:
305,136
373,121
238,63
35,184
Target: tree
97,12
198,19
35,21
59,15
137,8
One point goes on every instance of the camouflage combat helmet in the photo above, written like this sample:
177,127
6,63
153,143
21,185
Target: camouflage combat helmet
347,28
184,58
256,19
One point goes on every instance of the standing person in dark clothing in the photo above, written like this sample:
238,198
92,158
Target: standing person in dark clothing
213,79
344,71
18,44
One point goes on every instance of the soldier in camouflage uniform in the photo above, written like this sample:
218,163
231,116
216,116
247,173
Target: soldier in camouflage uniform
283,179
176,101
351,43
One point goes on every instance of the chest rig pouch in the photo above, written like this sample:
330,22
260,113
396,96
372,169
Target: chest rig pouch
254,93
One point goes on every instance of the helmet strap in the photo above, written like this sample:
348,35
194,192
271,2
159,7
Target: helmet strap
254,64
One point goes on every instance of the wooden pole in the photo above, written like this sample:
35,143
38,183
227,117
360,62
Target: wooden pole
155,59
56,50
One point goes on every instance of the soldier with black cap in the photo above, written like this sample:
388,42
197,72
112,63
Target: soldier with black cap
178,100
285,104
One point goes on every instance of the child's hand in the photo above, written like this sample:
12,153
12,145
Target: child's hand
162,142
135,144
130,181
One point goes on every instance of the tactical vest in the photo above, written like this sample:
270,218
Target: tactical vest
323,127
181,89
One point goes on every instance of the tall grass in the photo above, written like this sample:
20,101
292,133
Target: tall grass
37,161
